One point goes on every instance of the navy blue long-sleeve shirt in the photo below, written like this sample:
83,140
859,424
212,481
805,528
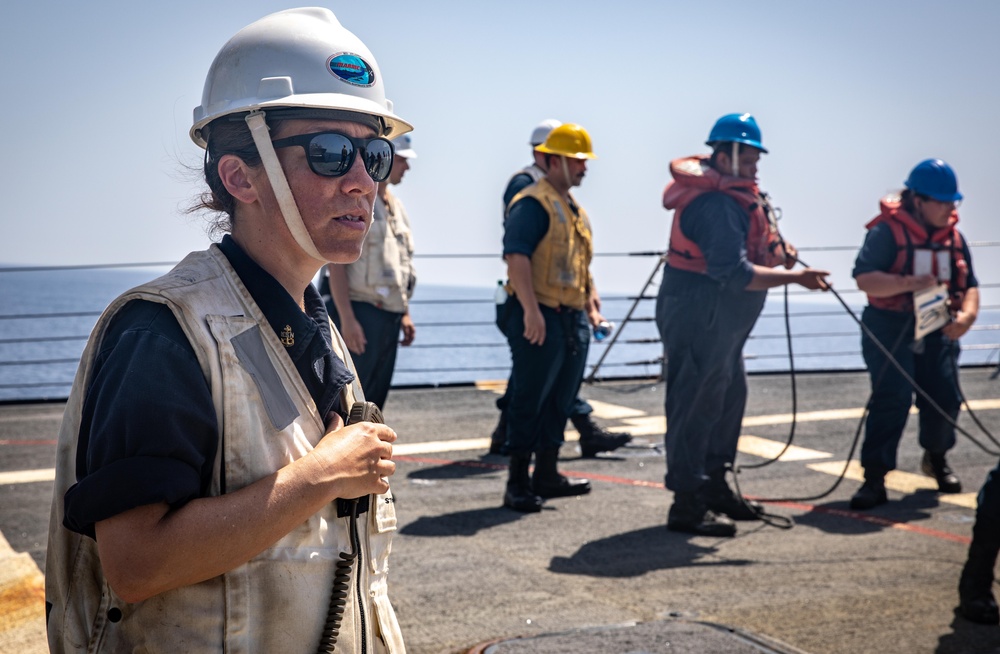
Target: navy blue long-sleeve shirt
149,432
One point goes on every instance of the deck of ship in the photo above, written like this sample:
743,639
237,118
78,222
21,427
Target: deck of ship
600,573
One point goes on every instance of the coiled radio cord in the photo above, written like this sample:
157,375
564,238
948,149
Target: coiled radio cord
360,412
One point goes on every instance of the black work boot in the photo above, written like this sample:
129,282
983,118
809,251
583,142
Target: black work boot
935,465
975,586
547,482
871,494
690,515
720,498
498,440
519,495
593,439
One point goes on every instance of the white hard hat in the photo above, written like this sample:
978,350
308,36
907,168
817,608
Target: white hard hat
297,58
402,147
541,132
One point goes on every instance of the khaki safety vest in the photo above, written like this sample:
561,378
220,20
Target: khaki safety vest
277,601
560,264
384,275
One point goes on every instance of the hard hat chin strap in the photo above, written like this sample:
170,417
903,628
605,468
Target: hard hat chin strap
735,157
565,168
279,184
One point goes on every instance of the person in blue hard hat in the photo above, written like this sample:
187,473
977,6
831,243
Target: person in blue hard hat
725,252
914,244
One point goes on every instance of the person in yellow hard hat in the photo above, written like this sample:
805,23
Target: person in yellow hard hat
552,303
593,438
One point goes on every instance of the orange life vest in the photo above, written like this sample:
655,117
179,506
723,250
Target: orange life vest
910,235
694,176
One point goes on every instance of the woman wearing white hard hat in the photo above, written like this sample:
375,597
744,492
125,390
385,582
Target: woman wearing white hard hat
205,478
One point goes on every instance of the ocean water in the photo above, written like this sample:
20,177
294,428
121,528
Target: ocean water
46,317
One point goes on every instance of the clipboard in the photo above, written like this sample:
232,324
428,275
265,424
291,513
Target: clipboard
930,309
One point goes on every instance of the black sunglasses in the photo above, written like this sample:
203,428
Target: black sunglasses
331,154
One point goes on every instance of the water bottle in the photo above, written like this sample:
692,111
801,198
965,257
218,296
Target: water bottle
603,330
500,296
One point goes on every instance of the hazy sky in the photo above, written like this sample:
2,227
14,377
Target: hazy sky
849,95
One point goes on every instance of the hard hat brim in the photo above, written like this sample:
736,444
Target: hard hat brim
395,125
753,144
572,155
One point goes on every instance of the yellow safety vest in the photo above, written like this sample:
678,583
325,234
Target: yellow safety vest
560,265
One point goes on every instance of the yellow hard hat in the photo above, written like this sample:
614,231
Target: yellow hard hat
568,140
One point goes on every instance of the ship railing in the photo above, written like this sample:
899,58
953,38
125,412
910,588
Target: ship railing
459,343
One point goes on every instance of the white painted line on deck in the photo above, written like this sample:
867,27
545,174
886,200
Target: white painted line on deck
55,416
436,447
27,476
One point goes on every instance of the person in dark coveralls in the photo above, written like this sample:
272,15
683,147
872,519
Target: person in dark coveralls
369,300
975,585
593,438
911,245
551,305
724,246
204,472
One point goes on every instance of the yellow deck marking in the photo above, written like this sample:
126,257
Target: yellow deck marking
803,416
27,476
983,405
22,595
897,480
768,449
644,426
609,411
495,385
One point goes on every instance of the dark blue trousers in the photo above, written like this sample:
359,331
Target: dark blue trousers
376,364
704,329
544,379
987,528
934,370
580,406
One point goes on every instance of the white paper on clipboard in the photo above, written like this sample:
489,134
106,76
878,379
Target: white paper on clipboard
930,308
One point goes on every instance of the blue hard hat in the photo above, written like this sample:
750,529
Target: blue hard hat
935,179
736,128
